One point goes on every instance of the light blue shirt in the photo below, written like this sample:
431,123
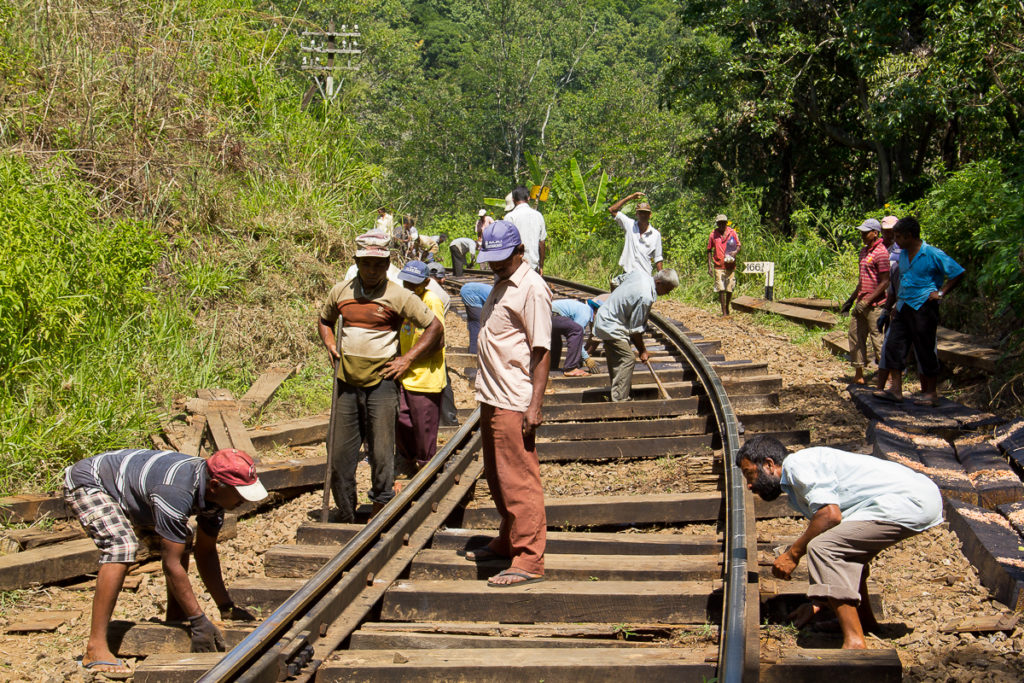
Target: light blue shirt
924,275
864,487
580,312
475,293
626,310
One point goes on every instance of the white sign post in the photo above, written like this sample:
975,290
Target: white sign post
767,268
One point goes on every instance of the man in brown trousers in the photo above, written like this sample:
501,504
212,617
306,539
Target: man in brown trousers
513,358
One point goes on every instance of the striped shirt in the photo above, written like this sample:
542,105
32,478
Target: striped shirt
370,321
874,260
157,490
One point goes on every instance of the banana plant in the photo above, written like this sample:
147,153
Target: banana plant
571,187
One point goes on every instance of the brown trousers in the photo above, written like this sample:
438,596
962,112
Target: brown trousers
838,559
513,476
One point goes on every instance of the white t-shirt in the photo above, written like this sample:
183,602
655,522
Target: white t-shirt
385,223
864,487
393,272
639,248
532,230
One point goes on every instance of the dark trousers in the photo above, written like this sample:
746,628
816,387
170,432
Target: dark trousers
458,261
562,326
449,415
416,430
363,415
473,323
910,328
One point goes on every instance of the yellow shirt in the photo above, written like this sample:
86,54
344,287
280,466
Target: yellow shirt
427,374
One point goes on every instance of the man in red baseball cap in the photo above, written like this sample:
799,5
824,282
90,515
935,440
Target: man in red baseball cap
123,496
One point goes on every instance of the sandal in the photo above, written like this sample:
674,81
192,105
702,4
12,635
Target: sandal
483,554
524,577
887,396
89,670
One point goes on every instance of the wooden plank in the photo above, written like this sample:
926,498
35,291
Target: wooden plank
954,352
227,430
63,561
36,622
808,665
982,624
298,432
805,316
813,302
175,667
586,431
26,539
404,640
612,449
666,508
30,507
653,665
192,439
992,546
263,389
131,639
604,631
292,474
991,475
623,410
1014,513
667,602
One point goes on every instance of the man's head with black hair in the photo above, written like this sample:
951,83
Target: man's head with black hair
520,195
761,460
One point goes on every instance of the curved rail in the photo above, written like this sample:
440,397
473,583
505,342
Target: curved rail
283,643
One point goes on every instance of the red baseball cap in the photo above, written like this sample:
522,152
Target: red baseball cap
236,468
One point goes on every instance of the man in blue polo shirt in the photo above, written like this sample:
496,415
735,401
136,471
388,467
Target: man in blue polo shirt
927,275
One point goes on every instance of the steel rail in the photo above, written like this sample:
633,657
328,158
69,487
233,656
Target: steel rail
259,655
283,641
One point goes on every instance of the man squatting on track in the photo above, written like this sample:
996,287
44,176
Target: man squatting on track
513,359
122,496
622,319
858,506
371,309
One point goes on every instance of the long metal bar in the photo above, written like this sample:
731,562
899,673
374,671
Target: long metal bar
297,605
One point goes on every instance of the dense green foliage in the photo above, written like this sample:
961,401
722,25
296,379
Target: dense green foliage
170,213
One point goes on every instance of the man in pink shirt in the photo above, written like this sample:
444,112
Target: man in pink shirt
723,245
513,359
868,299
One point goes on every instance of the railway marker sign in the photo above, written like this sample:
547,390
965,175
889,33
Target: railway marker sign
766,268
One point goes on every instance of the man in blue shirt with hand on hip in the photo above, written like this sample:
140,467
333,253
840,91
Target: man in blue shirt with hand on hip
927,274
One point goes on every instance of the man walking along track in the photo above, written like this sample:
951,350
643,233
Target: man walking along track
622,319
868,299
514,360
858,506
123,496
723,246
371,309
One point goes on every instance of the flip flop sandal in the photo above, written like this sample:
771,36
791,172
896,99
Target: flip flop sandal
89,670
483,554
526,578
887,396
927,402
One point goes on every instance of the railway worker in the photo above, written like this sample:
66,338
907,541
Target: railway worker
622,319
571,319
889,240
513,362
532,229
122,497
642,243
473,295
371,309
449,416
723,246
419,402
410,236
462,249
858,506
385,222
483,219
427,246
927,275
868,299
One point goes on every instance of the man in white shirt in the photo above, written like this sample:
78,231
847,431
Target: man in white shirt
642,244
857,505
531,226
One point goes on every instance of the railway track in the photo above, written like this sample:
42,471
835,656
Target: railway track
393,599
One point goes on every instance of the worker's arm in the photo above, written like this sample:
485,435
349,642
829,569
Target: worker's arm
638,342
948,287
540,366
326,330
617,206
542,250
879,291
824,519
394,369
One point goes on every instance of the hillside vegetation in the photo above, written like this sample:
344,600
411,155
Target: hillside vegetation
170,215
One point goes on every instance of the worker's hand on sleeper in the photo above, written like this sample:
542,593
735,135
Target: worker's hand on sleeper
784,565
205,636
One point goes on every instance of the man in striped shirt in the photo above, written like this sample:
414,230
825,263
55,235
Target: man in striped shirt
122,495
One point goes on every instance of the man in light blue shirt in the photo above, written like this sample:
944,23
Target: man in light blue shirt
622,320
571,317
926,275
473,295
857,505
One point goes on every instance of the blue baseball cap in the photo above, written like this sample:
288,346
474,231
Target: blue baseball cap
500,239
414,272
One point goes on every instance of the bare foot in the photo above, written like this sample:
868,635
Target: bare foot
855,644
576,372
803,614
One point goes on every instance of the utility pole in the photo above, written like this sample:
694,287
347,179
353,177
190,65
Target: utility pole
320,62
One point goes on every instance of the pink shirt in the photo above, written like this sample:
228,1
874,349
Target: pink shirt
516,319
716,244
874,261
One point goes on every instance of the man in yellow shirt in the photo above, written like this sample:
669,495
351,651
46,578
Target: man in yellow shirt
419,407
